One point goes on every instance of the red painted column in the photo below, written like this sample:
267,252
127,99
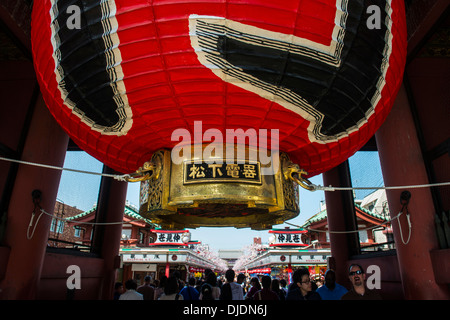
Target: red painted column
340,217
110,210
402,165
46,144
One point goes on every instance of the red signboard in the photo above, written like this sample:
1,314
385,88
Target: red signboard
260,270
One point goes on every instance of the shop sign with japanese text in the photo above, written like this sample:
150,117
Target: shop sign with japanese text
248,172
169,237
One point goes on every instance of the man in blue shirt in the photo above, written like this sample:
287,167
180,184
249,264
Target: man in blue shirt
331,290
189,292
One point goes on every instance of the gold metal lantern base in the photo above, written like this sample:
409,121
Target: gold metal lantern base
242,192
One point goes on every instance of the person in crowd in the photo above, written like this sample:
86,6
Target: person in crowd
283,285
319,282
189,292
359,291
331,290
118,290
171,290
300,288
240,280
159,290
147,290
276,288
219,283
131,293
180,282
231,290
266,292
206,292
255,286
198,285
211,279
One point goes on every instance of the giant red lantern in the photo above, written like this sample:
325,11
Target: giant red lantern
137,70
120,76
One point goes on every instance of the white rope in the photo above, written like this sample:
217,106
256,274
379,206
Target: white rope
331,188
30,235
314,187
117,177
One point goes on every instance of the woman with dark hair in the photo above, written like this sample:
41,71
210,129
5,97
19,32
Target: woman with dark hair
206,292
211,279
256,286
276,288
171,290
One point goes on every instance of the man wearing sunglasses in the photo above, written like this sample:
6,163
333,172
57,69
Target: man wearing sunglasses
359,291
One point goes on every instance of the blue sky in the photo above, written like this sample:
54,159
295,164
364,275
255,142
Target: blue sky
81,190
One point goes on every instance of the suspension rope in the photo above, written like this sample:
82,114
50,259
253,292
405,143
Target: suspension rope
330,188
311,186
117,177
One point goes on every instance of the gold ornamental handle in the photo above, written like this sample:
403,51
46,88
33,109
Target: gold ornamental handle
148,171
294,173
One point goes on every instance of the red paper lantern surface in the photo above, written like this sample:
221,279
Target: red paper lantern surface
133,71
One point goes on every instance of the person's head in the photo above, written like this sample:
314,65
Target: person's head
275,285
266,281
147,279
229,275
240,278
171,286
283,283
301,278
356,275
118,287
211,279
254,282
330,279
207,271
131,284
206,291
191,281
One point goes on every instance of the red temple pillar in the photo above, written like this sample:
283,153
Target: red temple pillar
46,143
107,235
402,165
341,217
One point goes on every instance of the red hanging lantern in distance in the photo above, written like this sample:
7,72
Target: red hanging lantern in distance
121,75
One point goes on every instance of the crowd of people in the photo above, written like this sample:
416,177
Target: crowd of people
236,287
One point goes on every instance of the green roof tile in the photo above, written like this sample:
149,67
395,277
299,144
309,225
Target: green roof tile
129,211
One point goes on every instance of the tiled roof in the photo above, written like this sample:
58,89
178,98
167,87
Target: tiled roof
322,215
130,211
